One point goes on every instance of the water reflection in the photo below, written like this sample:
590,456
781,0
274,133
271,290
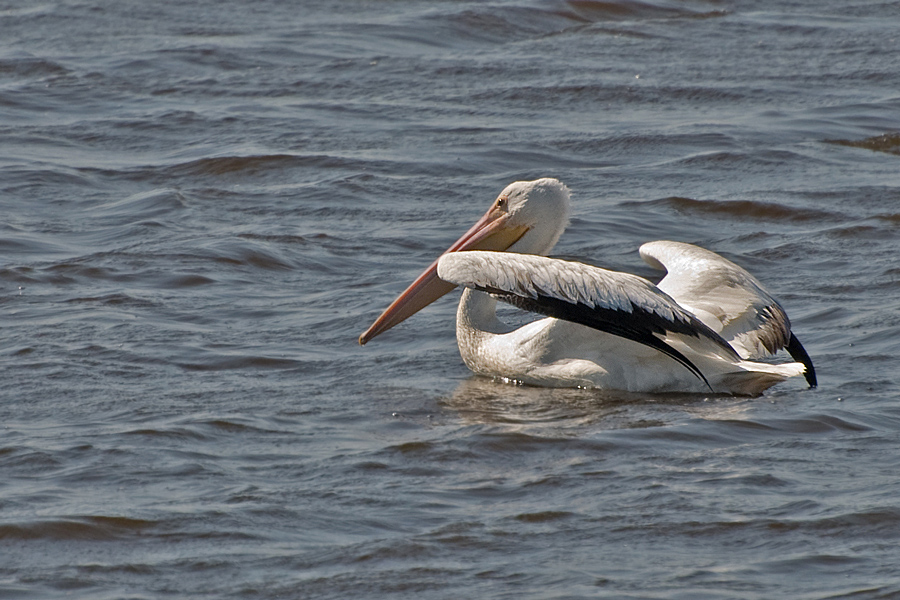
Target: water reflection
482,400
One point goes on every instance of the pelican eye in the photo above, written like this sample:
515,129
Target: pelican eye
502,201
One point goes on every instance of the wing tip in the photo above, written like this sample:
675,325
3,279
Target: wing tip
798,353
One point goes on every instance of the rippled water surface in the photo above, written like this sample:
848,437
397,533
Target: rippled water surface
203,204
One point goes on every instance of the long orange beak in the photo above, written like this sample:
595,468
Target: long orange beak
491,232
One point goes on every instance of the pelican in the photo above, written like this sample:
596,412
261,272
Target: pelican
703,328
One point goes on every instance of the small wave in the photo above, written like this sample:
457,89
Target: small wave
280,239
234,426
752,480
544,516
892,218
209,55
258,164
171,433
414,448
70,271
12,12
492,24
422,453
744,209
31,66
512,442
371,465
28,244
28,460
95,528
565,95
246,254
883,520
18,179
597,10
186,281
814,424
116,299
228,363
867,233
503,23
236,164
202,430
257,259
886,142
139,207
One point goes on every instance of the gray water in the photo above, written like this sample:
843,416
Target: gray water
204,203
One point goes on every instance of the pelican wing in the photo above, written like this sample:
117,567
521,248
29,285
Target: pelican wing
617,303
728,299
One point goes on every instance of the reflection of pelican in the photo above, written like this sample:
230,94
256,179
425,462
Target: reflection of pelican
697,331
480,400
483,400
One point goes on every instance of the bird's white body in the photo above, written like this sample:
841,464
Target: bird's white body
554,353
702,329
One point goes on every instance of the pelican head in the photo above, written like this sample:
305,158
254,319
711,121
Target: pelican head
527,217
542,206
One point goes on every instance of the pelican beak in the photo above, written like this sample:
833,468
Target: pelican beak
492,232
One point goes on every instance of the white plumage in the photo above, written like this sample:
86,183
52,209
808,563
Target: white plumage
722,295
533,276
695,331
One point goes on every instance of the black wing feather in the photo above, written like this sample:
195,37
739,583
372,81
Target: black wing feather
798,353
638,326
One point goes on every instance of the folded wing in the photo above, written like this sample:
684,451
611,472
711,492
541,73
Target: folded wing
728,299
617,303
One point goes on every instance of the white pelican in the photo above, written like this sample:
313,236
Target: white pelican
698,330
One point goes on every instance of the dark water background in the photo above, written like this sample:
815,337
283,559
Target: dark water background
203,203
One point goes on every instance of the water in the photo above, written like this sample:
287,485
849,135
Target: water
205,203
